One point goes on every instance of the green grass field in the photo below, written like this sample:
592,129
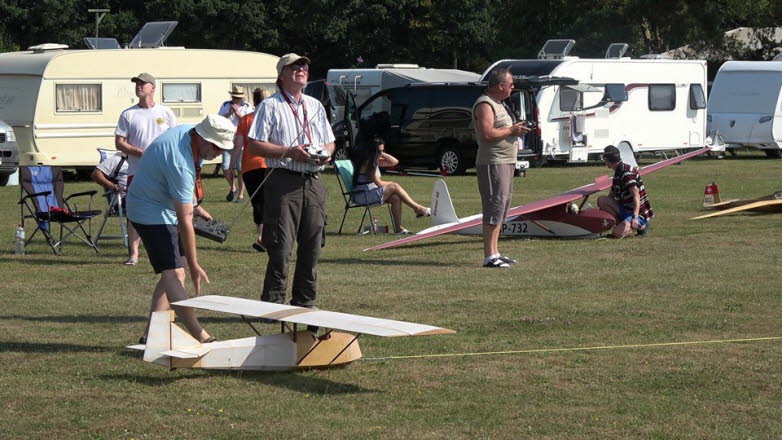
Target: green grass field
65,374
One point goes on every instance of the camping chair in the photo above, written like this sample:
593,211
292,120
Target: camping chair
45,204
345,178
114,201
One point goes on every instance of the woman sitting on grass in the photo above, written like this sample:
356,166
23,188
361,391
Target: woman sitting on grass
368,189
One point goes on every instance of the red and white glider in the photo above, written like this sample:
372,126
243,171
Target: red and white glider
551,217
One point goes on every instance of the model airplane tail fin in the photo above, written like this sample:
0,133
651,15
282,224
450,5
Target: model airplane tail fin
711,195
442,205
166,340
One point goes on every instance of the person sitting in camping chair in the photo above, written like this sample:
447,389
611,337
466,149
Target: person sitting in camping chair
369,189
112,174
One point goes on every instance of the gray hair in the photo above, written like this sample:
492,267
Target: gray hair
498,76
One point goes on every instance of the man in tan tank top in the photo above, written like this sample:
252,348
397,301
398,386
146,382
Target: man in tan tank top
498,138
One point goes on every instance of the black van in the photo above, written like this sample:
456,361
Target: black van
423,125
431,125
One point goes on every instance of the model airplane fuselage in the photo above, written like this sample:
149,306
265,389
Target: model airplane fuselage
771,203
170,346
564,220
554,216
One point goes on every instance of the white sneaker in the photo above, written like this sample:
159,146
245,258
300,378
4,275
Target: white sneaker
496,262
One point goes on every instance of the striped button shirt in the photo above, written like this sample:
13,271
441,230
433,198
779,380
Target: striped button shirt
276,123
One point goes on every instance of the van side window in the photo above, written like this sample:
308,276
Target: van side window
181,92
569,99
78,97
662,97
697,97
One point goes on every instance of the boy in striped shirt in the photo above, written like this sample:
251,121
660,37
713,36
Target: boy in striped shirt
627,201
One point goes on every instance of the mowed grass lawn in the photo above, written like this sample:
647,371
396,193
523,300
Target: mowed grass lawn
65,374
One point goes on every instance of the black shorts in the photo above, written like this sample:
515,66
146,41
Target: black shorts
163,246
252,180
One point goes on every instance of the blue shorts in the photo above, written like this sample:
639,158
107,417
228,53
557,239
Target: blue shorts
628,217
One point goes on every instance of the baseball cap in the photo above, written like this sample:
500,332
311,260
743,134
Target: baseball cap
288,59
144,77
217,130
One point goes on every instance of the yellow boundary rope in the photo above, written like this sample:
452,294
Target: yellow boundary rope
555,350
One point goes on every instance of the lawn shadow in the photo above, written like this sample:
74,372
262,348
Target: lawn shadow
62,260
291,381
100,319
50,347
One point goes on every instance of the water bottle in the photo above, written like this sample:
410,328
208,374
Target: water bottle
374,225
19,250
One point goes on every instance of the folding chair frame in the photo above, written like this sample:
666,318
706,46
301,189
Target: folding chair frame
113,200
347,195
44,219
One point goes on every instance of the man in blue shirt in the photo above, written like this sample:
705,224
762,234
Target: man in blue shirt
160,204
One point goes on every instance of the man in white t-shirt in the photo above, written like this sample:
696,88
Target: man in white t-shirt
138,126
234,110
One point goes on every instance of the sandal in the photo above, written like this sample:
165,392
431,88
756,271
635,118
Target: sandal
131,261
426,213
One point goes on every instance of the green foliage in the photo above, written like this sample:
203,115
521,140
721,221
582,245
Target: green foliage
468,34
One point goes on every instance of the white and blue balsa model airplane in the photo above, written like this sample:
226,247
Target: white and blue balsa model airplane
170,346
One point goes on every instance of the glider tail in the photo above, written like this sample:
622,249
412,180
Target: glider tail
164,337
711,195
442,206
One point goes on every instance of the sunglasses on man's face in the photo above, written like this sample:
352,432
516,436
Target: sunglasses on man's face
302,66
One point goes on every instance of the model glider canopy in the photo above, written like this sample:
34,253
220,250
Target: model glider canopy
601,183
305,316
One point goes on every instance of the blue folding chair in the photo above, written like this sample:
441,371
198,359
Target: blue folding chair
45,204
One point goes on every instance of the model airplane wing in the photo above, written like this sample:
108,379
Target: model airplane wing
305,316
601,183
748,207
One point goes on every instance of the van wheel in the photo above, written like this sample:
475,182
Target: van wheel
4,179
341,154
451,160
774,154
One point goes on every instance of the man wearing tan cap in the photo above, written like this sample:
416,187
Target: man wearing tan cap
160,206
138,126
292,132
234,109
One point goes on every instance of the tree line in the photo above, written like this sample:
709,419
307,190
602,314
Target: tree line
466,34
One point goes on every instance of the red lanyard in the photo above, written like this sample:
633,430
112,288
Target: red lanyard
306,124
199,188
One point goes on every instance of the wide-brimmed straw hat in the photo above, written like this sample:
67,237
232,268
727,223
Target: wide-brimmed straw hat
236,92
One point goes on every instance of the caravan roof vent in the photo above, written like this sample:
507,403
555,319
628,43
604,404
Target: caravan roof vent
397,66
153,34
616,50
41,48
556,49
101,43
778,57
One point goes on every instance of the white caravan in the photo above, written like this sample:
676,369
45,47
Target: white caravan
364,83
64,104
745,105
641,104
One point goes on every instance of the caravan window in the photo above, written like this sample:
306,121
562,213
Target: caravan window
697,98
662,97
78,97
181,92
248,88
569,99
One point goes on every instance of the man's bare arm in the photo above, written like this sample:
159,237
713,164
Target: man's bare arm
484,123
121,143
